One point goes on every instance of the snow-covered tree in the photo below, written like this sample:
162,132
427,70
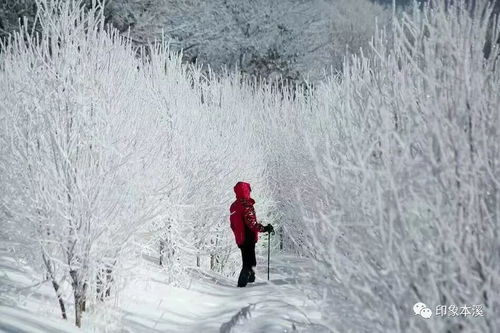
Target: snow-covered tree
408,166
80,144
293,39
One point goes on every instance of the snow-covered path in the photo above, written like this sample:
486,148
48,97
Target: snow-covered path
213,304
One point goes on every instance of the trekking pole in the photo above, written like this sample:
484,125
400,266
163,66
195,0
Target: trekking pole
268,252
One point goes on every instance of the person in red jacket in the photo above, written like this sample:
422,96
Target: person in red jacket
246,230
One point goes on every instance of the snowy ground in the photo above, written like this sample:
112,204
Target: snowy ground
211,303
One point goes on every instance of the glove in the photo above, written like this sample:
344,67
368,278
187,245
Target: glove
268,228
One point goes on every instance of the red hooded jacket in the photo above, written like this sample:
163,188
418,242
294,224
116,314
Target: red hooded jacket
243,219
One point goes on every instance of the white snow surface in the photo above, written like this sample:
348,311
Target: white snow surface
208,302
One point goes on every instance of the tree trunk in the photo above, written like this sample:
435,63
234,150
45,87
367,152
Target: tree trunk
49,274
78,308
214,261
109,280
59,298
79,291
84,297
104,279
162,249
281,239
79,294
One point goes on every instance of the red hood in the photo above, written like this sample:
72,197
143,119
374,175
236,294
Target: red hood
242,190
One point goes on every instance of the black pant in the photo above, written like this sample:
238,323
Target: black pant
248,255
249,261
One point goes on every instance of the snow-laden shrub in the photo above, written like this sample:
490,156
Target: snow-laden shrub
408,160
82,143
212,124
111,152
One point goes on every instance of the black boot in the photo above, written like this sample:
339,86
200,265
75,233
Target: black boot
251,277
244,277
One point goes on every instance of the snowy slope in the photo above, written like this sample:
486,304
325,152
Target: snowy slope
13,319
210,303
26,305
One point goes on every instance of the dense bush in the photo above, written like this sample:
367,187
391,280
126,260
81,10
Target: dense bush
408,165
